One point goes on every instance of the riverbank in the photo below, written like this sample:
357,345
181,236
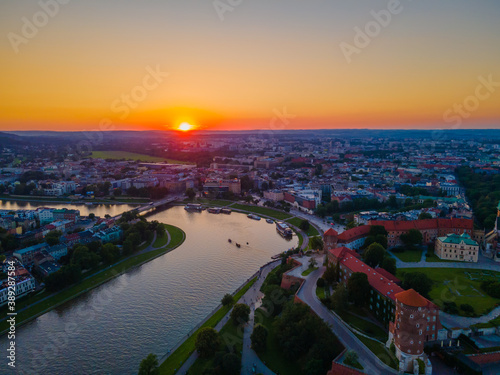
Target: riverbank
177,237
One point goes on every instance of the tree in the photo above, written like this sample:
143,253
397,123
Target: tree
312,262
117,192
412,237
91,216
351,358
110,253
316,243
149,365
52,238
418,281
259,338
207,341
377,229
339,297
190,193
374,254
240,313
424,215
358,288
320,283
227,300
389,264
330,274
392,202
128,247
304,225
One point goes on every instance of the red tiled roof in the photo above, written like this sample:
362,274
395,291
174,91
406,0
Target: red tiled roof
395,225
331,232
411,298
378,282
341,252
485,358
354,233
338,369
388,275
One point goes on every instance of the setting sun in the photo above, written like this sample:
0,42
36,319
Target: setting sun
185,127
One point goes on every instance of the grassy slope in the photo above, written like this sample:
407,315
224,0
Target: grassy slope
273,356
183,352
93,281
447,281
296,221
231,341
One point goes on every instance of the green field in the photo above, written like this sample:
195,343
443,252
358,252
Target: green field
279,215
118,155
161,240
409,256
320,292
49,303
461,285
296,221
182,353
365,326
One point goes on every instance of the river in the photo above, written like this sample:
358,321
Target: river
149,309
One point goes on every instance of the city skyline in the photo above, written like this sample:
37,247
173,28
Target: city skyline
250,65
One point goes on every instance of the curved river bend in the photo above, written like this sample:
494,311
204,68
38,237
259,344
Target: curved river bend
148,309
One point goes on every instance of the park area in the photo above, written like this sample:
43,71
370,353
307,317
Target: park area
461,286
119,155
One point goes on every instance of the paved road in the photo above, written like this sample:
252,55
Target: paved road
252,295
317,221
371,363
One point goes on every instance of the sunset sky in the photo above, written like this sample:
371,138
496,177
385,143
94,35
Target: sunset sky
255,65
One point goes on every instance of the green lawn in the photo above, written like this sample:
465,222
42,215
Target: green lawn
279,215
309,270
182,353
380,351
273,356
462,286
133,156
320,292
160,241
297,221
231,341
178,237
409,255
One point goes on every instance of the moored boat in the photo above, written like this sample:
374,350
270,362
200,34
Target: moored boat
253,216
193,207
284,229
226,211
214,210
270,221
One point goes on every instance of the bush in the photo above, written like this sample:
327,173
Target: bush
259,338
468,309
450,308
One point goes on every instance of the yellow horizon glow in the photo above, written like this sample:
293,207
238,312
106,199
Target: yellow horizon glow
185,127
